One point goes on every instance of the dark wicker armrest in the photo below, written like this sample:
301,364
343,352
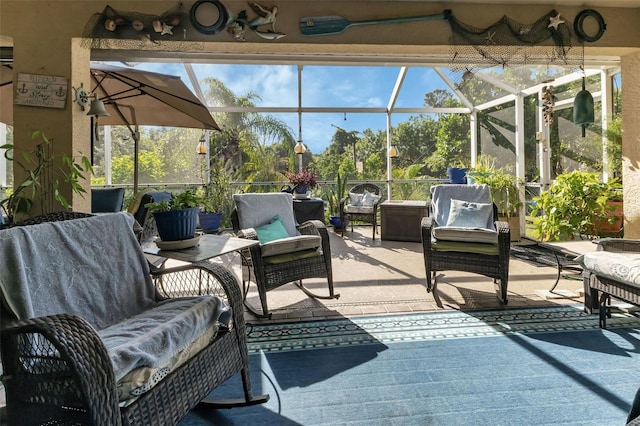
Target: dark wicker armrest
426,224
311,227
618,244
203,278
504,231
59,361
248,233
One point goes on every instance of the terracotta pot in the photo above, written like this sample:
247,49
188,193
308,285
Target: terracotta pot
606,228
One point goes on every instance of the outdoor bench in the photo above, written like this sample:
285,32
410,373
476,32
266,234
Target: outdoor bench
91,336
614,271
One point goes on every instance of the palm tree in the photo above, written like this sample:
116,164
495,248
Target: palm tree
246,135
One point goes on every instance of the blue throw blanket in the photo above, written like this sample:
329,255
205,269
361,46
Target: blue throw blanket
95,268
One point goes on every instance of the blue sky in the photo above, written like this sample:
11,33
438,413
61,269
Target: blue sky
322,86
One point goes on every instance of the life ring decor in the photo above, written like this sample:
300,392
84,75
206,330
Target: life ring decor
215,27
578,25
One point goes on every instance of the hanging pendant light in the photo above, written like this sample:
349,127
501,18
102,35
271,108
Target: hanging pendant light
201,148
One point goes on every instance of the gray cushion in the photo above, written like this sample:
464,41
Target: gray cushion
441,196
255,210
369,199
291,244
469,214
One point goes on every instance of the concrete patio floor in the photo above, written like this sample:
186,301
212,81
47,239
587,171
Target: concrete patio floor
385,277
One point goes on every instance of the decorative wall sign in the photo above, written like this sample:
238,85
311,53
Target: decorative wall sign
41,90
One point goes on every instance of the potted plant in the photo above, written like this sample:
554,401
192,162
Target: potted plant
39,166
575,204
457,174
505,191
336,195
303,182
216,198
176,218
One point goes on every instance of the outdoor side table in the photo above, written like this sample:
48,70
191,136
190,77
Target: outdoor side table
308,209
208,247
565,253
400,219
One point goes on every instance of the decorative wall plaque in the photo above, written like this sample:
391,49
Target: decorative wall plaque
41,90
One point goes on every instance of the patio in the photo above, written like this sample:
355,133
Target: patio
388,277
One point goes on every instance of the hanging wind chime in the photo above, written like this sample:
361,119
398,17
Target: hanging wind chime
548,102
583,110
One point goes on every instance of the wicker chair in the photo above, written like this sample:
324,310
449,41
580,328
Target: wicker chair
299,258
57,369
351,210
490,259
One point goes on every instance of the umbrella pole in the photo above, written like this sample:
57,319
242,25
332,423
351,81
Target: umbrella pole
135,133
136,149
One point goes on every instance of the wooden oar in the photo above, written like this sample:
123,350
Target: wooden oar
324,25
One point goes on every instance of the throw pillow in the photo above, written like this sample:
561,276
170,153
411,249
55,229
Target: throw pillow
355,199
273,230
369,199
465,214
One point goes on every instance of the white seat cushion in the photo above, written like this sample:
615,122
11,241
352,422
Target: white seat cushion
622,267
474,235
291,245
358,209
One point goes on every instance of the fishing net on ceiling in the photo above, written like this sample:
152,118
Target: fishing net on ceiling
133,30
547,41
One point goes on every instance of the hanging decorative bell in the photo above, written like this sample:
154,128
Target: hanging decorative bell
583,114
97,108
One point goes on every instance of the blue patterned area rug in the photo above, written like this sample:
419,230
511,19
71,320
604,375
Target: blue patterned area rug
530,366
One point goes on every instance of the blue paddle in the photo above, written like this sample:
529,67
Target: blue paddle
324,25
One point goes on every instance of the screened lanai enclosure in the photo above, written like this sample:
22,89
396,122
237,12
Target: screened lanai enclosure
434,114
504,110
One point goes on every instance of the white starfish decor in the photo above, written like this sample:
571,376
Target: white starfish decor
166,29
554,21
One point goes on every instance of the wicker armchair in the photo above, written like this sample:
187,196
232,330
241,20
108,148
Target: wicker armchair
351,210
291,258
490,259
57,369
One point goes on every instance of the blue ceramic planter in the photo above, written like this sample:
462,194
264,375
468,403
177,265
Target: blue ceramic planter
210,222
177,225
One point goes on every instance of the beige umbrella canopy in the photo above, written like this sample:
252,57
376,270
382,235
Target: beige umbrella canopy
135,97
132,98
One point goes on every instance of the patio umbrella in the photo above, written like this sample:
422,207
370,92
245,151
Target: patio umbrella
132,98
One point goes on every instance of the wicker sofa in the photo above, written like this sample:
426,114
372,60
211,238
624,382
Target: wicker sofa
59,360
611,272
